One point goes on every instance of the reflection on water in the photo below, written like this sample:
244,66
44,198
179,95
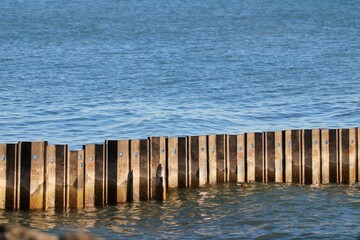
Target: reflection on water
221,211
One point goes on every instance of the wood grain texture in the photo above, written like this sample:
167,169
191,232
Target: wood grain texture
11,159
269,156
250,157
183,166
3,179
158,168
32,174
62,177
100,175
347,155
311,156
50,177
358,153
329,156
173,162
212,159
194,153
279,157
203,175
241,158
134,175
76,179
89,188
232,158
144,170
255,157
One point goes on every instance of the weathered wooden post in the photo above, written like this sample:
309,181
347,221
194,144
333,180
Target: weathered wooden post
232,157
293,168
50,177
255,157
236,153
76,179
158,168
311,156
31,175
94,193
269,156
197,160
118,159
8,166
347,155
177,162
329,156
139,173
217,159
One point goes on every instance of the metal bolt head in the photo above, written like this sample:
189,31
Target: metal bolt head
80,157
2,157
121,154
326,142
52,159
174,151
278,145
352,142
202,149
289,143
136,154
212,149
91,159
162,151
35,157
251,146
81,164
315,142
240,148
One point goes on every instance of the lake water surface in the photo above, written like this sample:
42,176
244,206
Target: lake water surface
80,72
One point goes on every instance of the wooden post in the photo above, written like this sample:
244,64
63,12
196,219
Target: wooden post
311,156
293,166
241,155
270,157
31,177
100,175
158,168
8,166
347,141
62,162
139,173
118,170
279,157
329,156
173,162
217,159
212,159
203,166
358,153
232,153
177,162
255,157
198,160
89,188
50,177
76,179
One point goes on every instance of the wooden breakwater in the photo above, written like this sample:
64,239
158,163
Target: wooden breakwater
35,175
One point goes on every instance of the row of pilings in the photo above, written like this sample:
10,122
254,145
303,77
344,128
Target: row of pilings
36,175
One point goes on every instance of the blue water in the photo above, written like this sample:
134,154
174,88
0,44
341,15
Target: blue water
80,72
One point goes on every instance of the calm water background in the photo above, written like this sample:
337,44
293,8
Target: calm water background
81,72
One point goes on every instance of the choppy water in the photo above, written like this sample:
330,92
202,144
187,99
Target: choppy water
81,72
223,211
